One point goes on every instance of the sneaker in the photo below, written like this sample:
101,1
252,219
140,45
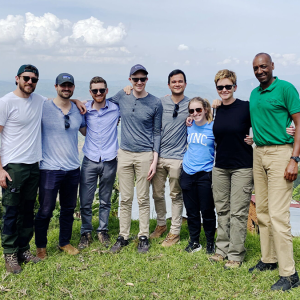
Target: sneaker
216,258
170,240
11,263
286,283
85,240
193,247
69,249
27,256
104,238
121,242
261,266
232,264
210,248
41,253
158,231
143,246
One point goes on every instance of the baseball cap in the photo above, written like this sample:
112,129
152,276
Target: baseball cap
28,68
64,77
137,68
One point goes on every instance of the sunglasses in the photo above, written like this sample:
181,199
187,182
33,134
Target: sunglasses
228,87
198,110
67,121
136,79
175,112
95,91
27,78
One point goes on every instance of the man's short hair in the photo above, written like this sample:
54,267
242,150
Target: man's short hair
98,79
222,74
263,53
176,72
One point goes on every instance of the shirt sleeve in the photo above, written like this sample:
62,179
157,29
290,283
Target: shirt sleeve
157,127
292,100
3,112
83,122
116,98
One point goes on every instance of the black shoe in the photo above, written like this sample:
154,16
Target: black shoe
118,244
104,238
210,248
193,247
85,240
261,266
286,283
143,245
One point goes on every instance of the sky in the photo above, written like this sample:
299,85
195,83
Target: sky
105,38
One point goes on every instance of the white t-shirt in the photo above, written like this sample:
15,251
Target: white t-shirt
21,135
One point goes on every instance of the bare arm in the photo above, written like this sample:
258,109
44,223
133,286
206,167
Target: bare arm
3,173
291,170
80,105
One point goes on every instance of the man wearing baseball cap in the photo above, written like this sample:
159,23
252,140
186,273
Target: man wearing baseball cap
59,167
141,115
20,152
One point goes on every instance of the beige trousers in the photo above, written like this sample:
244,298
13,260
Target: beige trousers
134,166
273,197
232,189
172,168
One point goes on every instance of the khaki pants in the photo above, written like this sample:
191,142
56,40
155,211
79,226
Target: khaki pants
232,189
273,198
132,164
172,168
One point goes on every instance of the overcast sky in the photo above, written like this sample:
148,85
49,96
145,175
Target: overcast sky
105,38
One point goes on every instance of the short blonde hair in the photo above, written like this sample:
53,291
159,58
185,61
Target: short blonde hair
206,105
225,74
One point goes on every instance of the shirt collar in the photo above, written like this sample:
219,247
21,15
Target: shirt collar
89,105
271,87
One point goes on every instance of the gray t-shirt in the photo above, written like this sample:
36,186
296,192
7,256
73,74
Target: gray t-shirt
60,145
141,122
174,134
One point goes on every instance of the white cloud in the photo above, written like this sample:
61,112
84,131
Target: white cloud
183,47
57,39
229,61
187,63
11,29
286,59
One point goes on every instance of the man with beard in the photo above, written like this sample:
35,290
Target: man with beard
273,106
59,168
100,151
20,118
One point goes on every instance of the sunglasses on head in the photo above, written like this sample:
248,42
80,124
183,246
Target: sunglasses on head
27,78
198,110
95,91
175,112
136,79
228,87
67,121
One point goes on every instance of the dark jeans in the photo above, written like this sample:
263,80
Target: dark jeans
18,205
90,171
197,196
66,182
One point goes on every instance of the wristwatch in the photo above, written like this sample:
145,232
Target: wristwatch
295,158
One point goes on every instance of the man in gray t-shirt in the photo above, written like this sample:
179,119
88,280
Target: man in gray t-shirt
59,167
172,149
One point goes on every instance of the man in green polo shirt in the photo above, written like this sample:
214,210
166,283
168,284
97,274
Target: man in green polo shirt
273,106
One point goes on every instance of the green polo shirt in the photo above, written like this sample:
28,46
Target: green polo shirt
271,111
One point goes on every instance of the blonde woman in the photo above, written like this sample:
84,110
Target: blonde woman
196,176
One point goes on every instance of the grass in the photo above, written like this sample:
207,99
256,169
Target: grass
160,274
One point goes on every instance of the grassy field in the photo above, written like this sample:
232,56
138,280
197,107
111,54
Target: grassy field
160,274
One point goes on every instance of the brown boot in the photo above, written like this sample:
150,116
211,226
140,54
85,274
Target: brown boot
170,240
11,263
41,253
69,249
159,230
27,257
216,258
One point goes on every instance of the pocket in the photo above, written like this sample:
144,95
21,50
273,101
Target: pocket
11,195
248,189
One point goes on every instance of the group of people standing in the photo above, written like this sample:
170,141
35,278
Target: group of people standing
208,160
